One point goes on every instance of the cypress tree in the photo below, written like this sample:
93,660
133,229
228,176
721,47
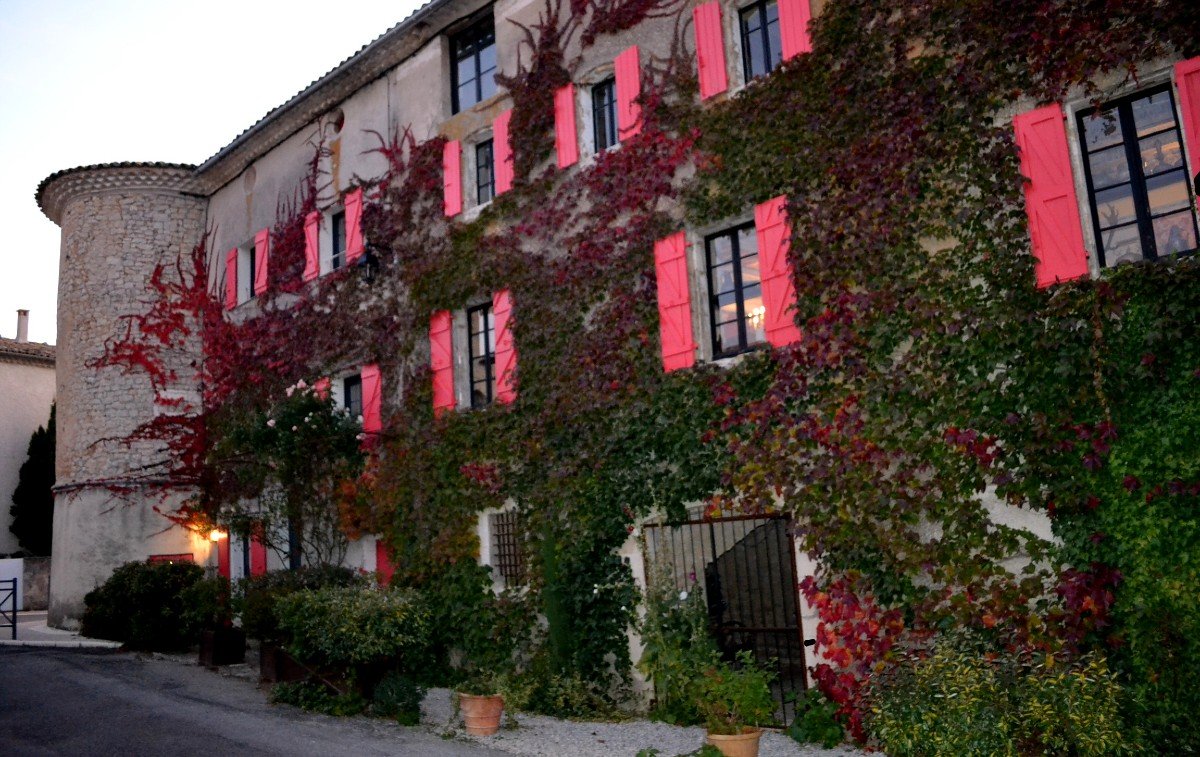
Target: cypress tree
33,500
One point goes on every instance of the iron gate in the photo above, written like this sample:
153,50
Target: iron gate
746,567
8,598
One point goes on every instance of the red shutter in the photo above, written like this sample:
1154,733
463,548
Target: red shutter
262,260
1050,199
566,139
258,551
223,557
312,245
372,401
1187,79
778,290
506,351
231,287
383,563
710,49
629,86
452,178
503,157
354,234
441,360
674,303
794,16
322,387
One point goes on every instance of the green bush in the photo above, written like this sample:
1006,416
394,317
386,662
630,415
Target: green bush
317,697
398,696
143,605
732,697
206,604
677,649
958,702
816,720
256,596
354,626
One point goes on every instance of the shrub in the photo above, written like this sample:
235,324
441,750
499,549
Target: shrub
398,696
677,649
257,595
206,604
318,697
731,698
354,626
816,720
958,702
143,605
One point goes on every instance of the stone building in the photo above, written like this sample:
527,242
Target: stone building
27,386
433,74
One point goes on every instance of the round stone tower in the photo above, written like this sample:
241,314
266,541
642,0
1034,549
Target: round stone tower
118,222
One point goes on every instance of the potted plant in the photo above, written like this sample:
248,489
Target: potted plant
735,700
208,611
480,699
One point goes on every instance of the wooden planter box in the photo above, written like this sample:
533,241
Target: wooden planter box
275,665
222,646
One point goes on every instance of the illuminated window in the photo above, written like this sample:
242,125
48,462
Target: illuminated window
735,294
482,353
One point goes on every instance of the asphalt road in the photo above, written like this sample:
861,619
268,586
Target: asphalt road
79,702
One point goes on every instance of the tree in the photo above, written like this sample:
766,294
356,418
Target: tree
33,500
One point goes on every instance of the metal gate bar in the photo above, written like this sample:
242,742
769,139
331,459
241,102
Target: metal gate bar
746,567
8,596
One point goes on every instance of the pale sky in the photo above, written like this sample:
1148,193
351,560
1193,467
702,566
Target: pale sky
99,81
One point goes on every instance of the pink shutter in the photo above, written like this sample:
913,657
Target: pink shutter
354,234
629,86
1187,79
322,387
231,287
710,49
312,246
223,557
794,16
372,401
383,563
503,157
441,361
566,139
262,260
778,290
452,178
258,551
1050,200
674,303
506,351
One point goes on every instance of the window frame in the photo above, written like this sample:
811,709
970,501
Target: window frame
745,37
732,231
477,29
337,258
488,380
349,382
490,184
1143,218
604,114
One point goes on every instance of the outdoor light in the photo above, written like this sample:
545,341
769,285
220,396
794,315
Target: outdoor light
217,535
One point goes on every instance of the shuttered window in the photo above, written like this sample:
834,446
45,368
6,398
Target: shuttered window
762,49
738,315
604,114
485,176
337,235
481,347
473,63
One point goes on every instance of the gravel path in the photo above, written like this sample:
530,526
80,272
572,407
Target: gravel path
539,736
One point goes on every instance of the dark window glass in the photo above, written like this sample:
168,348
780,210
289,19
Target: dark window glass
1138,186
735,293
485,173
761,48
604,114
482,352
352,395
253,268
337,230
473,72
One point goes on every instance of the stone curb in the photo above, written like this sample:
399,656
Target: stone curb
66,643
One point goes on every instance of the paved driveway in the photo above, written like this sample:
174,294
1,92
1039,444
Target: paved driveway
79,702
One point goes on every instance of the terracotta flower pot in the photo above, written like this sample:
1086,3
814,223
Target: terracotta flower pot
481,714
744,744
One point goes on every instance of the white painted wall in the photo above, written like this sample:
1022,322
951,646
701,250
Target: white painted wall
27,391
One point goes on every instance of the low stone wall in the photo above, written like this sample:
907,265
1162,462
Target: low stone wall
36,583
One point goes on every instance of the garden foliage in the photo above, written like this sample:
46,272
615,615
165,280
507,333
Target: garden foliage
146,606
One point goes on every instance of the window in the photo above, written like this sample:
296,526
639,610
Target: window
245,273
337,235
604,114
508,549
485,173
1137,183
352,396
473,67
762,49
481,347
735,294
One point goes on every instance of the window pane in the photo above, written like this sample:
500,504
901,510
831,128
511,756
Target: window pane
755,320
1102,130
466,94
1167,192
1115,206
1122,245
722,278
727,306
727,337
1161,152
1109,167
487,61
750,272
775,47
1153,113
1174,233
720,250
